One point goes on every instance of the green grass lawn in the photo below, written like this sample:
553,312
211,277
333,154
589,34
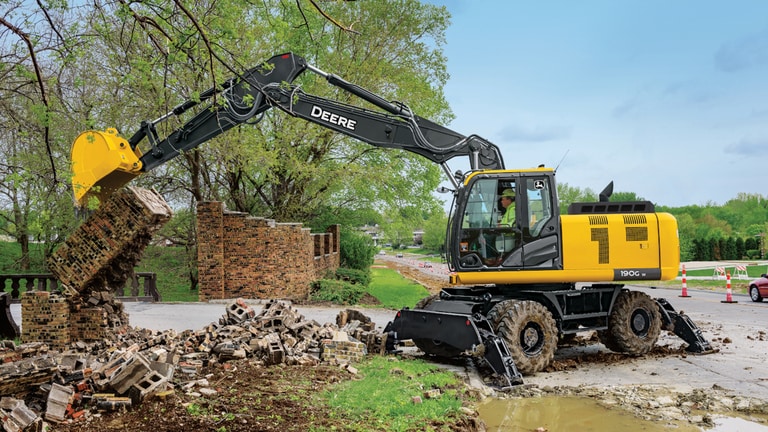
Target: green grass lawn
381,398
393,290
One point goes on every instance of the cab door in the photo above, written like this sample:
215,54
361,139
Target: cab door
538,224
485,226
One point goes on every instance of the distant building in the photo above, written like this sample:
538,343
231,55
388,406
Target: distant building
373,231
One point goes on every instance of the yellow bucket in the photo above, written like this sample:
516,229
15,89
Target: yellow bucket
102,162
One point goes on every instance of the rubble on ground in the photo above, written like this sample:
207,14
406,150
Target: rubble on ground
40,385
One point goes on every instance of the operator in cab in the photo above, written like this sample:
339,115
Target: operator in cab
508,203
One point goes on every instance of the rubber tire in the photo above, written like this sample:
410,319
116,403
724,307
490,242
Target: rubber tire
754,294
431,346
634,325
529,331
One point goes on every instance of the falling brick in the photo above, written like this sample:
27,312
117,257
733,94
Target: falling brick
103,250
96,258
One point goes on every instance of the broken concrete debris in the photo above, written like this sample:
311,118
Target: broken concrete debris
40,385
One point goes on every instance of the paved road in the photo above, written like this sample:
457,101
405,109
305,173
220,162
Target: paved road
194,316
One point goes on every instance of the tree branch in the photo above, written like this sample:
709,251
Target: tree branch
330,18
43,95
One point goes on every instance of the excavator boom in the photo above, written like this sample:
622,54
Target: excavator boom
103,162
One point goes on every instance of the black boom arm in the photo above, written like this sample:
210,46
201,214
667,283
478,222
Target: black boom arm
244,99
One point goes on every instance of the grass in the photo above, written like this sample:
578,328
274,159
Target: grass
753,271
393,290
382,399
169,263
738,286
10,255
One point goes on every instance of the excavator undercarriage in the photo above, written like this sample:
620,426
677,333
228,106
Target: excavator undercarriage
514,332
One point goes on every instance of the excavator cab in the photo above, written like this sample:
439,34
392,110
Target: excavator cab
102,162
490,237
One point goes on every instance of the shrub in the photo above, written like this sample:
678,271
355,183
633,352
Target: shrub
354,276
337,291
356,250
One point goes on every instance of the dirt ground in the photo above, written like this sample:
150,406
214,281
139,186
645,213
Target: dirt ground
248,397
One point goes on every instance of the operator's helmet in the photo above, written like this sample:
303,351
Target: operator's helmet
508,193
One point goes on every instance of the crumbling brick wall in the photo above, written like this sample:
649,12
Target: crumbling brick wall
240,255
96,258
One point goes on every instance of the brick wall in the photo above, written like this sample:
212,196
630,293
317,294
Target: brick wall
251,257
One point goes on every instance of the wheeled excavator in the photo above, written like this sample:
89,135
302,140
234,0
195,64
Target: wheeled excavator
515,289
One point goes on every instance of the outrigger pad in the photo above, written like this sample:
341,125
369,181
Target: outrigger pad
466,333
498,358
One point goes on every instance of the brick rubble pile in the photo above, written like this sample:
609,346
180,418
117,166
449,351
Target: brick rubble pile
39,385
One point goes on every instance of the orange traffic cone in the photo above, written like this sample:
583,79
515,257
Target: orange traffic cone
728,292
685,285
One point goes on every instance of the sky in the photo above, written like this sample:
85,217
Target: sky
668,99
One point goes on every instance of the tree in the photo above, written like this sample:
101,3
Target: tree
686,229
35,46
568,195
435,230
356,250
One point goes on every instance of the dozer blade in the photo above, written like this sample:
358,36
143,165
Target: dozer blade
463,332
102,162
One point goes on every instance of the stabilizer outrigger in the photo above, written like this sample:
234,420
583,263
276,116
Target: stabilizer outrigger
680,324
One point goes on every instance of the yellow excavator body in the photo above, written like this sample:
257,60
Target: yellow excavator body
102,162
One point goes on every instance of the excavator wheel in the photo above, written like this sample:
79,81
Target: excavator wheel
634,325
430,346
529,331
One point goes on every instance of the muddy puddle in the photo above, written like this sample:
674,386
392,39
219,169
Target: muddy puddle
557,414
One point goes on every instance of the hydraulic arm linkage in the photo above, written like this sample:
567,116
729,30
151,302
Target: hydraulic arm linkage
245,99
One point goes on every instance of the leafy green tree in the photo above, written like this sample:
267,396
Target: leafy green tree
625,196
568,195
740,248
356,250
434,231
686,228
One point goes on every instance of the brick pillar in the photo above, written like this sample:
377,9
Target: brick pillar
210,250
45,318
335,231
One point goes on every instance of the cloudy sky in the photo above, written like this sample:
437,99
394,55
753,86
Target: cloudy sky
669,99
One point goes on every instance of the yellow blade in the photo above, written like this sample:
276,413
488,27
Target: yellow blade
102,162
